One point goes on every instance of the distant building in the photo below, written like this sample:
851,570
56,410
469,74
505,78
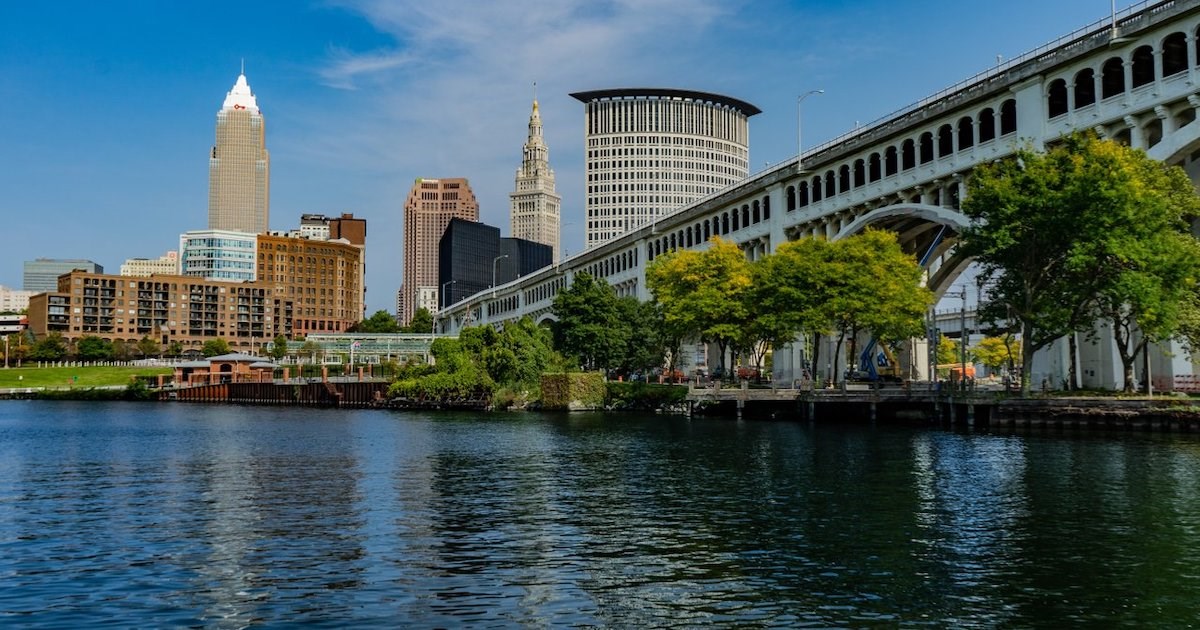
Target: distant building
472,255
239,166
14,300
323,279
11,324
427,211
345,228
165,308
221,255
651,151
534,205
167,264
42,274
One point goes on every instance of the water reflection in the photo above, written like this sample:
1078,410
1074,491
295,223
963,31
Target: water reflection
228,517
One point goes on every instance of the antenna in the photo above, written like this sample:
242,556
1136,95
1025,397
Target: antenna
535,90
243,65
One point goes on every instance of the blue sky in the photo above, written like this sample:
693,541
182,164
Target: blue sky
108,108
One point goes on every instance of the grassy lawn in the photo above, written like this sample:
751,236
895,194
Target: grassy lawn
78,377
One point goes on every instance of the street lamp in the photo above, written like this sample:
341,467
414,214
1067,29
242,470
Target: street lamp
444,289
495,264
799,135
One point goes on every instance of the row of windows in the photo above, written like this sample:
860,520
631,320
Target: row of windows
728,221
1142,70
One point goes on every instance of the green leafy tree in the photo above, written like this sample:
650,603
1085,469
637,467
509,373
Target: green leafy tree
645,342
52,347
873,286
998,353
589,327
1062,238
279,347
215,347
311,350
703,293
174,349
422,322
93,348
380,322
148,347
788,293
121,350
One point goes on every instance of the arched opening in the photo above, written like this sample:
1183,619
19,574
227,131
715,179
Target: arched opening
945,140
890,162
791,197
844,178
716,227
908,155
1008,117
1112,77
1153,133
816,189
926,147
1143,66
966,133
860,174
688,237
736,224
1174,54
724,223
802,195
1056,96
1123,136
745,216
987,125
755,213
766,208
674,244
874,168
707,231
830,184
1085,88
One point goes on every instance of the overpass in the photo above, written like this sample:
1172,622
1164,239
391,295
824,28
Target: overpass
1134,78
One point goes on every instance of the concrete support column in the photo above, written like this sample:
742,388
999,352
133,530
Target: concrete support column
1127,66
1168,121
1190,37
1137,137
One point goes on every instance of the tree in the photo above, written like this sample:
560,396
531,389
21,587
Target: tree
147,346
1062,236
120,350
997,353
788,295
871,285
215,347
52,347
174,349
645,345
93,348
279,347
422,322
381,322
703,293
589,327
312,350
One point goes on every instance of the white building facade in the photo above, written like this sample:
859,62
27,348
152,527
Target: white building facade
652,151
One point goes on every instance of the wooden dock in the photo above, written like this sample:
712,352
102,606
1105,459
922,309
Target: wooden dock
367,393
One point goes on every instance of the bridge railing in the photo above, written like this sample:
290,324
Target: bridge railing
1050,49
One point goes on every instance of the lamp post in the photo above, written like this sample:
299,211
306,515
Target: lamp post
799,134
495,265
444,289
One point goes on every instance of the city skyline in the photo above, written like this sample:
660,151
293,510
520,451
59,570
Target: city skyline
353,88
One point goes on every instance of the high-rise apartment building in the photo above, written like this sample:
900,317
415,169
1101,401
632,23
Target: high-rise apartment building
430,205
167,264
42,274
652,151
239,166
534,206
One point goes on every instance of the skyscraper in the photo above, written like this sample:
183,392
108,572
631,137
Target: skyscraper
651,151
534,204
239,166
430,205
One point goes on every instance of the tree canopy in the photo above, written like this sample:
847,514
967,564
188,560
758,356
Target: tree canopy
1087,229
379,322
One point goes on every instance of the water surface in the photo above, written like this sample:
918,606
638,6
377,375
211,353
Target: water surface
142,515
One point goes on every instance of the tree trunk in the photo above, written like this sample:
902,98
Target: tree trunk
1026,357
816,355
1072,370
837,353
1121,340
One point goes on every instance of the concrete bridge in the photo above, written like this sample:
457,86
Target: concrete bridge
1135,79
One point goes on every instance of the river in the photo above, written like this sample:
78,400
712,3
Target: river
167,515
